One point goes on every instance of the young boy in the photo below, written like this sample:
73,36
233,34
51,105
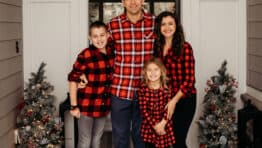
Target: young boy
91,104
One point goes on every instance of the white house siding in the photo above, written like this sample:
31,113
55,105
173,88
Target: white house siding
11,75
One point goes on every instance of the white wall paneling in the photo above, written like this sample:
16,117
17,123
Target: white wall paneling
50,35
52,32
217,31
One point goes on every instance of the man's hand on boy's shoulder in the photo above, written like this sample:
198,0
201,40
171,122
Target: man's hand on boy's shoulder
83,81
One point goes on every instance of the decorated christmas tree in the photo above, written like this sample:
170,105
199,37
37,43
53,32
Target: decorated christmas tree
217,125
36,124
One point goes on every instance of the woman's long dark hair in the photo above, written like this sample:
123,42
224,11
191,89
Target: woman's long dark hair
178,38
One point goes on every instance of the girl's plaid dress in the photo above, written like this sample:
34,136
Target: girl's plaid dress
152,103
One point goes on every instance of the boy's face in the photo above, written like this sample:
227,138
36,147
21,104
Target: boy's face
98,37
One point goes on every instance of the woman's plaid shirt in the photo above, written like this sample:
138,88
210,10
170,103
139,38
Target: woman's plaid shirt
133,46
152,106
181,70
94,99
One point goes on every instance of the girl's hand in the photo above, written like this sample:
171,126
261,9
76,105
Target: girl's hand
171,106
75,113
160,127
83,81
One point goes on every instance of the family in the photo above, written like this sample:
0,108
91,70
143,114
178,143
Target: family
140,69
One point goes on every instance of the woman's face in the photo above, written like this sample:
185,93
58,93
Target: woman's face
168,27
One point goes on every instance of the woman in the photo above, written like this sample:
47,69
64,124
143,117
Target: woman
178,58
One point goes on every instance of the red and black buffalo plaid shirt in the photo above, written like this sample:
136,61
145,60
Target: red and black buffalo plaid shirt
94,99
133,46
181,70
152,104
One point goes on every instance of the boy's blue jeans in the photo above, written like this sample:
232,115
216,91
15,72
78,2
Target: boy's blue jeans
125,115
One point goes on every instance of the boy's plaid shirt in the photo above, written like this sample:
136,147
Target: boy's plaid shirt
94,99
133,46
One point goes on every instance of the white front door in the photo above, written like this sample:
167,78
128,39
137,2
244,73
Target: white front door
53,33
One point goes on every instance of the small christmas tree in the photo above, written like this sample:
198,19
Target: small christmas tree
37,126
217,125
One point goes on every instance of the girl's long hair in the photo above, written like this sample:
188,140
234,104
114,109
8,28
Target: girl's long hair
178,38
163,77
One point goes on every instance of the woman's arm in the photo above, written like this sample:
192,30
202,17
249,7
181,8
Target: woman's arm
171,105
189,69
189,79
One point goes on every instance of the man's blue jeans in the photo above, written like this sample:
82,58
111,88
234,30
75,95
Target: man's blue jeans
125,115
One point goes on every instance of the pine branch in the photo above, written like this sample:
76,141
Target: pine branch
217,125
36,123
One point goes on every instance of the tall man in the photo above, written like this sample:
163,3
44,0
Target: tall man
132,33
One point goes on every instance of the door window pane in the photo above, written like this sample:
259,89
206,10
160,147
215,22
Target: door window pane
164,6
111,10
93,12
105,10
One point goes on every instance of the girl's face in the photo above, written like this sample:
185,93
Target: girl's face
168,27
153,72
99,36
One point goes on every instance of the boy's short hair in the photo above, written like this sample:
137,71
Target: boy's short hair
97,24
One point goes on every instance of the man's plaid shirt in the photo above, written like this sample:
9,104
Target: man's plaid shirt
94,99
133,46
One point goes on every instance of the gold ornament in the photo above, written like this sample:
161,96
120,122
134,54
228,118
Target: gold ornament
50,146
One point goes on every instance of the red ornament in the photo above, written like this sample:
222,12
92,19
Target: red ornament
213,107
45,118
29,112
208,82
20,106
202,145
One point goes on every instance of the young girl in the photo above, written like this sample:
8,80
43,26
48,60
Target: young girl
91,104
177,55
156,130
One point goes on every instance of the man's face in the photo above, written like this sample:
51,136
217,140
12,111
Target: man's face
133,7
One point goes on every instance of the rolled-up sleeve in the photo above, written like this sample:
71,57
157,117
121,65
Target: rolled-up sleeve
189,70
78,68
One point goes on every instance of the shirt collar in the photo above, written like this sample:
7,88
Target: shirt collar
109,50
145,16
